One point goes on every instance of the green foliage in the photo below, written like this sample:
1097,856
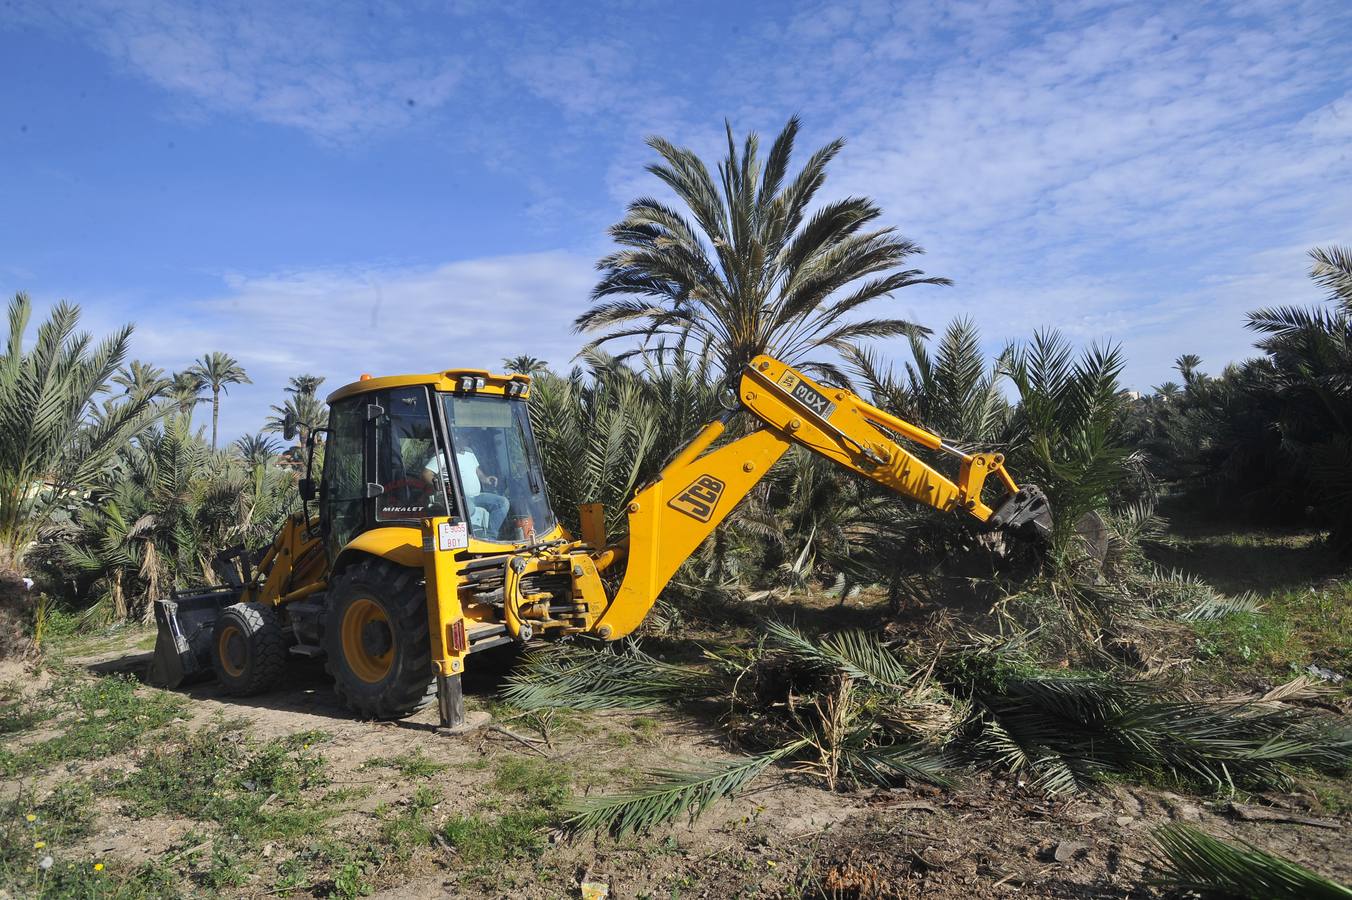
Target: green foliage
106,716
1195,862
749,270
526,365
856,654
1066,731
1269,438
542,783
408,829
165,508
252,791
55,440
1066,432
481,840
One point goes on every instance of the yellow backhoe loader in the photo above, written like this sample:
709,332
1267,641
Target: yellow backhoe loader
429,536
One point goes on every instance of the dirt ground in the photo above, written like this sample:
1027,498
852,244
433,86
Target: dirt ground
787,837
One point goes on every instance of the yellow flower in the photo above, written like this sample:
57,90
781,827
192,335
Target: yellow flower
30,817
38,845
98,867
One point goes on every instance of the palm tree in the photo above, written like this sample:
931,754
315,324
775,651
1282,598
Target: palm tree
256,449
1067,432
1187,366
297,417
217,370
142,379
51,446
526,365
749,271
304,384
184,392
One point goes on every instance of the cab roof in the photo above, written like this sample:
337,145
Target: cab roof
448,382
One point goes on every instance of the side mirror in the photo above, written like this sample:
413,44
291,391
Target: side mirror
307,489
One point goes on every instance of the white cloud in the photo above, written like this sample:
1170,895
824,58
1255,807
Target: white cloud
379,320
299,64
1119,171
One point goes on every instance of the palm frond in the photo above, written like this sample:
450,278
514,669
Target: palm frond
568,677
1193,861
887,764
855,653
671,794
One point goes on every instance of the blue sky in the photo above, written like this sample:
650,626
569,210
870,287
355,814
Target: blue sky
339,188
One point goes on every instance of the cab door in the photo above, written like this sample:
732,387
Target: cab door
342,497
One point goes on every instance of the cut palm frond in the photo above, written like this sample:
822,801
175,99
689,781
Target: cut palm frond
672,794
566,677
855,653
1220,606
1195,861
898,762
1068,731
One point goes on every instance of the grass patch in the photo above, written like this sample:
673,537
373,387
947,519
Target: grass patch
64,816
414,764
481,841
107,715
540,782
252,791
1295,629
408,830
537,789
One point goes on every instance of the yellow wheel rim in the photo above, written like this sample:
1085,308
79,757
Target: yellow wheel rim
231,650
362,639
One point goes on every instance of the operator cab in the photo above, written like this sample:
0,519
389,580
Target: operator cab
458,444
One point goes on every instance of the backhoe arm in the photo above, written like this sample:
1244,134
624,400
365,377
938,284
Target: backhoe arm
672,515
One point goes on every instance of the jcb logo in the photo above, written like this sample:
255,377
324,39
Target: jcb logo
801,391
698,500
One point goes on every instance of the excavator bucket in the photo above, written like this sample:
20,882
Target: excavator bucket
183,644
1027,511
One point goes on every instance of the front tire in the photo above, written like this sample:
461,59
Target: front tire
376,640
248,649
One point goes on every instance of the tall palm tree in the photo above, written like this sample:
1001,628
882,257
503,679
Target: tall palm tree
185,392
304,384
142,379
526,365
51,445
217,370
748,270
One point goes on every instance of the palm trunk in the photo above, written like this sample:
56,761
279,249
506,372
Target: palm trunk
215,414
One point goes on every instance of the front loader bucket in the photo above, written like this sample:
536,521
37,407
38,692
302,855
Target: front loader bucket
1026,511
183,645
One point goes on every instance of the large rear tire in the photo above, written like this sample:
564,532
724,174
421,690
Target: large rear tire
376,640
248,649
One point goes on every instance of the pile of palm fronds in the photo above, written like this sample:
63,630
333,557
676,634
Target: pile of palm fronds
1198,863
853,711
1066,731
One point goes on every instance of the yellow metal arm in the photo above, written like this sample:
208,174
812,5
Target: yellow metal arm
670,517
840,426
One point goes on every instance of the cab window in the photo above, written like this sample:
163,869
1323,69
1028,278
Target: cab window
405,446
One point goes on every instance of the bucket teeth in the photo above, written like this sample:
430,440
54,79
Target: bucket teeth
1028,510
